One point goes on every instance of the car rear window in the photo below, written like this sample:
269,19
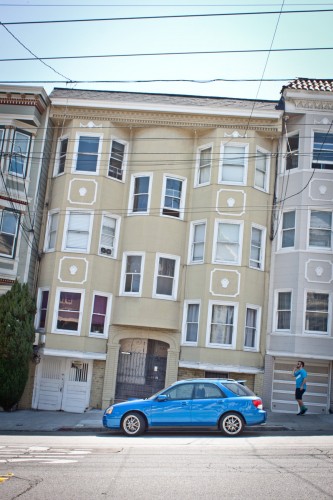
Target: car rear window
238,389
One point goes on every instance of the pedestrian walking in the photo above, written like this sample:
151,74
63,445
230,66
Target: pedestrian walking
300,374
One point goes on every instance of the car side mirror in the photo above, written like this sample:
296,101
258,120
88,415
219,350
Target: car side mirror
161,398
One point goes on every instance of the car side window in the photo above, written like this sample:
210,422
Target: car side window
238,389
183,391
207,391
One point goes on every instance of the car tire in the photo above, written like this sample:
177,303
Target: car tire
232,424
133,424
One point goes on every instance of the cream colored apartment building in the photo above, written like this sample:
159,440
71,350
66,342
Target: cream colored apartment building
155,259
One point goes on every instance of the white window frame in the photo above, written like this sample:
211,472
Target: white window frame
109,252
288,229
26,156
211,304
39,308
192,243
276,311
105,333
291,152
320,248
199,167
256,308
240,242
76,153
174,293
124,162
16,236
312,152
67,219
180,211
123,274
329,313
262,247
50,216
58,157
267,155
188,303
56,309
245,164
133,194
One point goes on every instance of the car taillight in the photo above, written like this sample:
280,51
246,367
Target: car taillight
258,403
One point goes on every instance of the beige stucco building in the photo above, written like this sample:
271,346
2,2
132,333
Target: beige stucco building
157,242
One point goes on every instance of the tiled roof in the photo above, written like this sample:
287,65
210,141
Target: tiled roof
310,84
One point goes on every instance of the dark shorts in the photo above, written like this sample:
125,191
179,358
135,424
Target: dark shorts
299,393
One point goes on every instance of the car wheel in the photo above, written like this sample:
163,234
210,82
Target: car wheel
232,424
133,424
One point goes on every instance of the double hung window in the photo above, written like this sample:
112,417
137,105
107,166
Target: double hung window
222,327
100,315
117,160
78,231
140,194
322,151
292,151
61,155
283,312
317,312
51,231
251,335
288,229
261,178
228,243
42,304
68,313
204,165
87,156
9,226
191,322
234,164
132,274
197,242
109,236
166,277
20,153
257,248
174,195
320,230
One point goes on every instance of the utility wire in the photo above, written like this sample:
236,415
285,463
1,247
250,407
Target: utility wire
181,16
155,54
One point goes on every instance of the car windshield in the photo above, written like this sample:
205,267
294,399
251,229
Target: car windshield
238,389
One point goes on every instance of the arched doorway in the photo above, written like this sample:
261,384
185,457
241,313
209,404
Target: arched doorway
141,368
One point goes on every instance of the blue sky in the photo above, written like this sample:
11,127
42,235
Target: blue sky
246,32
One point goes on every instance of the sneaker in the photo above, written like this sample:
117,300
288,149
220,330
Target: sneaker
299,413
303,411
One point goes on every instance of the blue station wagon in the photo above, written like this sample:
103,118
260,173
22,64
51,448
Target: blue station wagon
222,404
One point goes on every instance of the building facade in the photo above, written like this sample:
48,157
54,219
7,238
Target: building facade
300,310
155,263
24,143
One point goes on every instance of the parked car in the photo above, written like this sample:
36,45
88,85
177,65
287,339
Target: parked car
222,404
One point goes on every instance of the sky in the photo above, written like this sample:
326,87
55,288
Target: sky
257,29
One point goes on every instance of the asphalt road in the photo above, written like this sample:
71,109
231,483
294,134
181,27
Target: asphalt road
85,467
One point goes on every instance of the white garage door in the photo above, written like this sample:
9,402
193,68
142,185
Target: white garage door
64,384
316,397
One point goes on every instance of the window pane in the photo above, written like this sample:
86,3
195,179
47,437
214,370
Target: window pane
69,311
228,242
141,190
99,313
78,231
323,151
87,154
8,232
288,229
205,165
222,324
317,312
250,328
320,229
116,160
198,242
43,308
260,174
62,155
133,273
192,323
255,257
233,164
284,311
292,152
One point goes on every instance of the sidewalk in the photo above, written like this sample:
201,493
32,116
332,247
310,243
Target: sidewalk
91,421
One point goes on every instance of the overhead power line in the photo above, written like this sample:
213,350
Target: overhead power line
76,82
153,54
180,16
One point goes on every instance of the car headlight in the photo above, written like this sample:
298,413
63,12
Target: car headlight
109,410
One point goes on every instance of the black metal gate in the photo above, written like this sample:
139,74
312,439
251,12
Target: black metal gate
140,374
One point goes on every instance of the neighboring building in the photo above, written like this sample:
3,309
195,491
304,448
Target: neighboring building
301,293
156,256
23,175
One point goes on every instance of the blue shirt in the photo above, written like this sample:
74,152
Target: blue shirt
300,376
